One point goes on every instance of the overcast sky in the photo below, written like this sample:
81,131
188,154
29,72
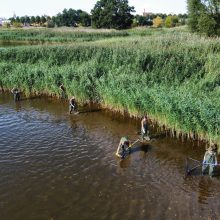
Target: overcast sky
53,7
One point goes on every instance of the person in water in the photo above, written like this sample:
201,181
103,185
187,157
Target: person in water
62,91
210,160
144,129
123,146
16,94
73,104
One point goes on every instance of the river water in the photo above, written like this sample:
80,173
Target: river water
59,166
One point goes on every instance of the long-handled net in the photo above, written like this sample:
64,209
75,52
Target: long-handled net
196,167
193,167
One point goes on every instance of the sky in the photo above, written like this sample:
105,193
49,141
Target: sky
53,7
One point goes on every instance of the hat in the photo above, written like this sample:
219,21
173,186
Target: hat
212,148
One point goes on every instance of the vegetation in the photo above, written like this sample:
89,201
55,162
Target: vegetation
171,75
204,16
158,22
112,14
58,34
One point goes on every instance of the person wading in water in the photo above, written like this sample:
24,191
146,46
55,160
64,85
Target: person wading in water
210,160
62,91
123,147
16,94
144,129
73,105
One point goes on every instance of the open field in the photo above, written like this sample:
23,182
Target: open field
171,75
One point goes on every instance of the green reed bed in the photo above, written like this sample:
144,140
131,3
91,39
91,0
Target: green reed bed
57,35
174,78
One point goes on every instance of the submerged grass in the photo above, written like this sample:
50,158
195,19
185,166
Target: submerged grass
172,76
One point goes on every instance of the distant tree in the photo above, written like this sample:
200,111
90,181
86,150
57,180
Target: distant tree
158,22
17,24
168,22
50,24
171,21
84,18
37,19
33,20
12,20
70,18
182,18
22,20
43,19
48,18
58,20
28,20
112,14
17,19
141,20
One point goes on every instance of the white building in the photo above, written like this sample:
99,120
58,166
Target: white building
4,20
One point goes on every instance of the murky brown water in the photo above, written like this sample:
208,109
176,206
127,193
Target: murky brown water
57,166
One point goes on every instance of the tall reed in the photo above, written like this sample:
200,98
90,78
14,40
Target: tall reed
172,77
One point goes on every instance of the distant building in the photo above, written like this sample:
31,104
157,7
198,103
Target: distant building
146,14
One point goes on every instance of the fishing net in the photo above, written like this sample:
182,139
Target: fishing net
196,167
193,167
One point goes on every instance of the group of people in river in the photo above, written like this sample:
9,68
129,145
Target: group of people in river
210,157
72,101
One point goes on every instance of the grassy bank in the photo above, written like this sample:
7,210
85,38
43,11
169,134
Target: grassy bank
172,76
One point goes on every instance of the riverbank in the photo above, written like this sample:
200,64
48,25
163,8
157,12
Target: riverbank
172,77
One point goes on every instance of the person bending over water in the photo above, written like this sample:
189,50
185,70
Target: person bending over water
123,146
73,104
16,94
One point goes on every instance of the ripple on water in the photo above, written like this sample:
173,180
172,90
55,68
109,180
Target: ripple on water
67,165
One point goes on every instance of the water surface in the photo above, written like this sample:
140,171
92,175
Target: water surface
59,166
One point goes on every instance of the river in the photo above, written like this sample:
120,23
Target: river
59,166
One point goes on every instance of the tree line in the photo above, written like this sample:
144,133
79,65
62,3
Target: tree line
203,17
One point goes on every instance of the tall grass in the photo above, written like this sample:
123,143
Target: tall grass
173,77
58,35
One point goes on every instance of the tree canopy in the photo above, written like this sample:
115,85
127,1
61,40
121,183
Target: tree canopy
204,16
112,14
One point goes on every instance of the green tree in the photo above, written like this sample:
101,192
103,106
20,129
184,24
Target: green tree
84,18
22,20
17,19
112,14
195,9
206,24
204,16
33,20
43,19
69,18
50,24
37,19
17,24
171,21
